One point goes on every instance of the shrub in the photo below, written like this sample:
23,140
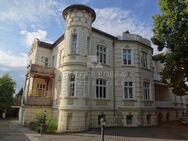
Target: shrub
51,122
33,125
39,117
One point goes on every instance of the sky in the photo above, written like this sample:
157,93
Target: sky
21,21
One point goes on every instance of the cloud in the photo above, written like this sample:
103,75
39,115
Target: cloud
117,20
9,60
30,36
24,12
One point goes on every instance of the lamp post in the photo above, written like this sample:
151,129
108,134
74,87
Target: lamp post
102,122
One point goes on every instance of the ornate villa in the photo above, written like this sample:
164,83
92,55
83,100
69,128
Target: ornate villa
87,73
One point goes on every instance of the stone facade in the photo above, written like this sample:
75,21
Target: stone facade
87,74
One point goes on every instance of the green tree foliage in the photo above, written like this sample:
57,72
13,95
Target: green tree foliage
51,122
7,89
171,32
20,93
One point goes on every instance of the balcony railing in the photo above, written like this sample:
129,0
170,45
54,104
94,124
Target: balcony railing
40,69
164,104
37,101
41,93
38,98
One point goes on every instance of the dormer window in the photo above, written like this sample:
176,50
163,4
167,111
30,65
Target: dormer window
74,44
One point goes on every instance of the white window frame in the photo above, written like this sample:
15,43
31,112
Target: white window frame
74,44
146,90
101,96
86,85
102,53
69,85
122,54
144,59
41,87
128,87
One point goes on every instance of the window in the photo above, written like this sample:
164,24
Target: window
148,117
101,116
72,85
128,90
88,45
127,57
146,90
100,88
45,61
69,120
40,89
86,86
101,54
129,119
74,44
53,61
144,59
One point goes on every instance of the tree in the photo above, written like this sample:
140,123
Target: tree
7,89
171,32
20,93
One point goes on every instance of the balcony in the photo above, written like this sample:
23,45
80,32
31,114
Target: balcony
38,98
40,69
164,104
41,93
37,101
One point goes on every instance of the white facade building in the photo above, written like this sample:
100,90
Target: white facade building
87,74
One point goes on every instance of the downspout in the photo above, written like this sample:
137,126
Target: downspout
114,96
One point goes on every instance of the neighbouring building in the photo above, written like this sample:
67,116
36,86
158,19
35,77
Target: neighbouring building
87,74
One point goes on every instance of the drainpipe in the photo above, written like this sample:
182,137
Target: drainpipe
114,96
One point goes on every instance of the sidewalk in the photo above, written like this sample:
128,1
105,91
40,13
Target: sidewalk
166,132
12,131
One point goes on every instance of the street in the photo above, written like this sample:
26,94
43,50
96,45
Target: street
173,131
